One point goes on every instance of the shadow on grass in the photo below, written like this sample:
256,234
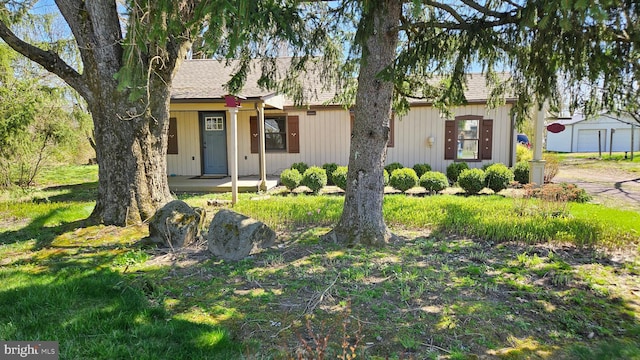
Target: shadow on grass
72,193
43,235
96,313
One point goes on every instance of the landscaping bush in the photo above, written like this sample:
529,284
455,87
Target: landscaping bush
454,170
385,175
471,180
420,169
434,181
340,177
523,153
521,172
403,179
497,177
562,192
300,166
329,168
393,166
315,178
551,166
290,178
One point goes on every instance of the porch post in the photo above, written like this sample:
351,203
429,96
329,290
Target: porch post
261,150
232,103
536,166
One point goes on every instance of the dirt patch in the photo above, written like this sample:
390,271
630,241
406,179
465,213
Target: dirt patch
607,182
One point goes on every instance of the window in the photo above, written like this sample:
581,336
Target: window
275,133
281,134
214,123
468,138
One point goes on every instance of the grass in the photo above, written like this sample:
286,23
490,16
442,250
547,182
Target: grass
482,276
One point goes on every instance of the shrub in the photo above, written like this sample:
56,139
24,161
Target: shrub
434,181
403,179
329,168
497,177
521,172
315,178
385,175
420,169
290,178
454,170
551,167
471,180
562,192
393,166
340,177
523,153
300,166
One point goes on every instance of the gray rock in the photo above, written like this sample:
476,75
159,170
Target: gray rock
176,225
233,236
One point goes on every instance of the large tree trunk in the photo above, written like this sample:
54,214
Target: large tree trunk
131,152
130,134
362,221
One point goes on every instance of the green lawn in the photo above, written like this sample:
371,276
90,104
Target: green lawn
472,277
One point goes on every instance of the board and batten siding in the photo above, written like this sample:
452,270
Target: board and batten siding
413,130
325,138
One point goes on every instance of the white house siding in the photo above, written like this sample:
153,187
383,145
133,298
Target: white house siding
413,129
325,138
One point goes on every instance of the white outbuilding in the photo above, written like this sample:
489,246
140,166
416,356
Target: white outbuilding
602,132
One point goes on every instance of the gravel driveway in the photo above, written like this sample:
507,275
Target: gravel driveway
610,183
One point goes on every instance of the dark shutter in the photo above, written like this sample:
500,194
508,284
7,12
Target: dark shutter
392,132
450,140
486,139
254,134
293,134
172,138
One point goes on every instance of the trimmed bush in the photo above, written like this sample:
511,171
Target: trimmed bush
329,168
471,180
454,170
497,177
420,169
385,175
300,166
521,172
290,178
315,178
340,177
434,181
393,166
403,179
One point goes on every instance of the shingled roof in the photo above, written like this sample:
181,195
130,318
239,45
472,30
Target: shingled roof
204,80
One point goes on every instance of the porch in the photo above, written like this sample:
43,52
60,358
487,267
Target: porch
218,185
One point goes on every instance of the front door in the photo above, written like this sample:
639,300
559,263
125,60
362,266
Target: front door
214,143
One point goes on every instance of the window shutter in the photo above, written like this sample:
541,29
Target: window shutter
172,137
487,139
392,132
255,134
293,134
449,140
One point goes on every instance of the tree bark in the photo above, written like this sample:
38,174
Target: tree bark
362,221
130,135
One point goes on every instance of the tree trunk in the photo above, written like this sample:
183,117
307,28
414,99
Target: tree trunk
131,152
362,221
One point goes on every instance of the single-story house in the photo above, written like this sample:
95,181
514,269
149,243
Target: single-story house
582,134
200,139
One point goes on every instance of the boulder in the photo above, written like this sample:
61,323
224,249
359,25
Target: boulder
233,236
176,225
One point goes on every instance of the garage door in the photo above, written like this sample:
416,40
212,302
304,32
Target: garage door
588,140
